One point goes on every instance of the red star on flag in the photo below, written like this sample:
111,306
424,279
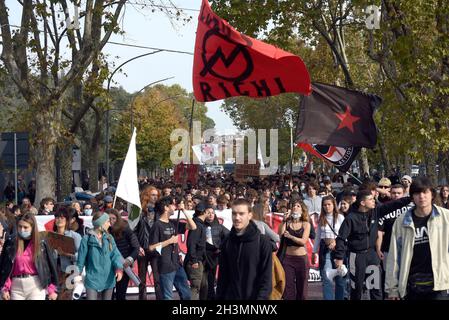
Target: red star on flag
347,120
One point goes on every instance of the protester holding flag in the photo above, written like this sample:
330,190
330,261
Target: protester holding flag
127,244
98,253
149,196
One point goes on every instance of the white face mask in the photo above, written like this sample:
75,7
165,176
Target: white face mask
295,216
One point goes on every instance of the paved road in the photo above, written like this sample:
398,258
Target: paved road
315,293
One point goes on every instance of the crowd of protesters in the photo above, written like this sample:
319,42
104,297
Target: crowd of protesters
392,234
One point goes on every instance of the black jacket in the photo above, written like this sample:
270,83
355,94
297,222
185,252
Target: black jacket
358,232
45,265
196,243
142,231
128,245
219,233
245,266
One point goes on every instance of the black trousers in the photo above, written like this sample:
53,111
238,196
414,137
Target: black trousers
121,287
364,267
436,295
142,263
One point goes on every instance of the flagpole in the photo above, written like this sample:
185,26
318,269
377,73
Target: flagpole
350,174
291,154
115,198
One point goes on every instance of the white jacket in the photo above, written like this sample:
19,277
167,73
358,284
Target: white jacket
401,251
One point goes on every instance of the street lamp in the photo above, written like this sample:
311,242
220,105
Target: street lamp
107,112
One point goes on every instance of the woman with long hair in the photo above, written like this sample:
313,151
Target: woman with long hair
215,235
295,231
329,223
127,244
63,216
98,253
27,265
442,199
148,199
259,219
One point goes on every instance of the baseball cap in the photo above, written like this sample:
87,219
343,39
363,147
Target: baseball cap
384,182
407,177
108,199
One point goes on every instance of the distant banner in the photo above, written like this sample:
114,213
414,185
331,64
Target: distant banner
206,152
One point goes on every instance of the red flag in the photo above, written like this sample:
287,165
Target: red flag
228,64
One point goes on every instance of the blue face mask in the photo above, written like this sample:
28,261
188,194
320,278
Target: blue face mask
25,234
88,212
277,193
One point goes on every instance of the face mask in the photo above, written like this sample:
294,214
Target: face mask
25,234
303,188
88,212
295,216
277,193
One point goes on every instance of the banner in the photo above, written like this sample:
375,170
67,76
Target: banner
45,223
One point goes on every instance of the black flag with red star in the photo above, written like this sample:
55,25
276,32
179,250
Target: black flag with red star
336,116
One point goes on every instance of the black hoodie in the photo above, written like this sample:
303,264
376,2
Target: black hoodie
245,264
359,229
196,243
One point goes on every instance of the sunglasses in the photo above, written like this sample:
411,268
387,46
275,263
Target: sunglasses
384,187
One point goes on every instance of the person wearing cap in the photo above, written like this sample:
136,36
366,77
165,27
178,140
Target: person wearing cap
196,252
108,202
406,181
384,184
98,253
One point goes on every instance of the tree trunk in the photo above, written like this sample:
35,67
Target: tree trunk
46,133
407,165
430,166
365,165
385,159
93,152
66,169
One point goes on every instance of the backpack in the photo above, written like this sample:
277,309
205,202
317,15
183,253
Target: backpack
278,279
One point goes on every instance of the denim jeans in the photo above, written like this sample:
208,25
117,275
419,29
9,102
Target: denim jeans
328,285
177,278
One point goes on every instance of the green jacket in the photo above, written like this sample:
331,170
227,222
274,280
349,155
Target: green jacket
401,251
100,262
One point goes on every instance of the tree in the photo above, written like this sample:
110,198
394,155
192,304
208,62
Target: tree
157,112
34,60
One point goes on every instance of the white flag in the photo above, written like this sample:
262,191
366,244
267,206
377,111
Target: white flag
259,156
206,151
128,186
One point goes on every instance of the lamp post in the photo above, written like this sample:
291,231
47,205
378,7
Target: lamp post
107,112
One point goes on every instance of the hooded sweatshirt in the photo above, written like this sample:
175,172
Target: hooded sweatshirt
245,266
